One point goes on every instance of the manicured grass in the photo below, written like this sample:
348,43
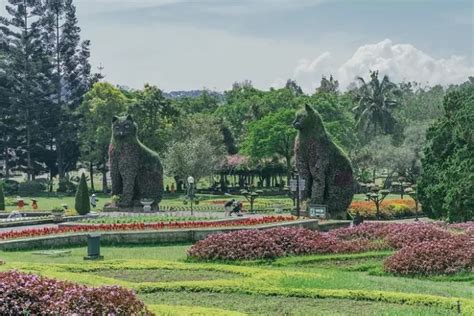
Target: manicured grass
172,253
275,305
49,202
338,284
166,275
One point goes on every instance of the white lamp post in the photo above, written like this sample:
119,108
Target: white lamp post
191,192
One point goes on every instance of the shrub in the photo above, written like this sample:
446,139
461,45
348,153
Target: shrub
10,187
28,294
440,256
66,186
82,204
272,243
410,234
423,248
29,188
2,198
389,209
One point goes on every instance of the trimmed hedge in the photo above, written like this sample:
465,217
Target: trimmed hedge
82,204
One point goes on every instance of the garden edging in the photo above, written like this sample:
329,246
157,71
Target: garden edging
141,237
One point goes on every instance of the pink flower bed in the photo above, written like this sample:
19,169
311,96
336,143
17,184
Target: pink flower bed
422,248
28,294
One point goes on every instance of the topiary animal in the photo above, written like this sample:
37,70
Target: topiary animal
136,171
324,166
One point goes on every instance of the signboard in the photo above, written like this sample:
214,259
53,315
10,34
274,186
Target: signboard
294,184
317,211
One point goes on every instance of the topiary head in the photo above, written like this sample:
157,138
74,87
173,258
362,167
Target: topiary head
308,119
123,127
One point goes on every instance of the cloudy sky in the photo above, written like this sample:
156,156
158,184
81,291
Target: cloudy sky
186,44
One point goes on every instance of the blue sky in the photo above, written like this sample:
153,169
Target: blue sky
210,43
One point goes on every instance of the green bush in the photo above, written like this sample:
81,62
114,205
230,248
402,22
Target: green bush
82,197
29,188
66,186
10,187
2,199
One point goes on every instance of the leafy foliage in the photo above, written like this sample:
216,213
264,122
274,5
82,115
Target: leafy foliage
446,188
375,101
422,248
22,294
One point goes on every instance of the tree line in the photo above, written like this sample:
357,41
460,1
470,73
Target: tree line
56,114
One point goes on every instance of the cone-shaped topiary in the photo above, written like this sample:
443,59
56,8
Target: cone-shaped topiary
82,197
2,199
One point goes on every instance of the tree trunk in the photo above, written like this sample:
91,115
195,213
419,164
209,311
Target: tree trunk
91,175
105,187
6,159
29,166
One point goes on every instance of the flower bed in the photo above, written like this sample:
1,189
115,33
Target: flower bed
441,256
272,243
28,294
389,209
35,232
422,248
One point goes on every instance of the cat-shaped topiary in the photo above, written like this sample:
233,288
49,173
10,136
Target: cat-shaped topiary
136,170
324,166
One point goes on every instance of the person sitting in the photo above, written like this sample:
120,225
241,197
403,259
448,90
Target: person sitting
228,207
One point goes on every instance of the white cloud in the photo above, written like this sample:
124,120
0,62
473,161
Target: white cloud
399,61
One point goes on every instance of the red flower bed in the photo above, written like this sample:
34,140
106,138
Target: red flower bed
440,256
422,248
35,232
28,294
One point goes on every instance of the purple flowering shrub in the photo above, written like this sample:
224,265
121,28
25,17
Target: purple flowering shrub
421,248
29,294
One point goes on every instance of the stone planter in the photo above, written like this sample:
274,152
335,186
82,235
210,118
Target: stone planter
58,216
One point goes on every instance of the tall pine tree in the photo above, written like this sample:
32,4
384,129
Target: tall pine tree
71,77
27,68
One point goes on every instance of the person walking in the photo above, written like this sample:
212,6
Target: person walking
93,200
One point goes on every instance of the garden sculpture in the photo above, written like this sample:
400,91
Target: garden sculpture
136,170
324,166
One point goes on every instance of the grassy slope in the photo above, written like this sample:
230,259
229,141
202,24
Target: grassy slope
243,292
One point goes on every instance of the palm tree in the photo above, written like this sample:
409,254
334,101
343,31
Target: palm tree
375,101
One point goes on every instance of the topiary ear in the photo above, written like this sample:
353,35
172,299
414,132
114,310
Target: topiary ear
130,118
309,108
114,118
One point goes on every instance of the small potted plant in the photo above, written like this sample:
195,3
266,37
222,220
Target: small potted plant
58,214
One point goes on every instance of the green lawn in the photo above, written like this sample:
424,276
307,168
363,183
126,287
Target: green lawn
340,284
48,203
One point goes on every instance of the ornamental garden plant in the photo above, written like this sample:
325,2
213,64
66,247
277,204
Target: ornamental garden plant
424,249
29,294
